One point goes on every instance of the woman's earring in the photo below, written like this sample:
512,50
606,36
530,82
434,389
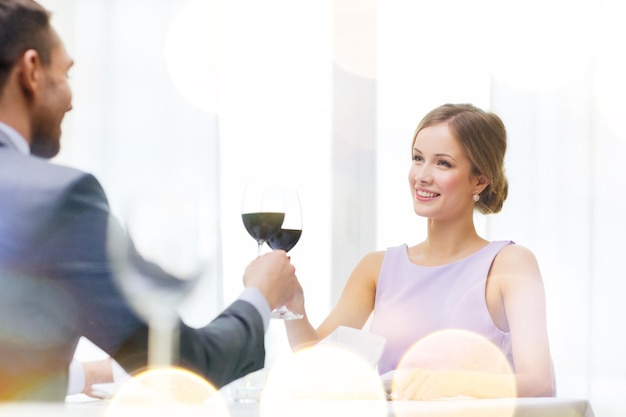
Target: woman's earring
476,197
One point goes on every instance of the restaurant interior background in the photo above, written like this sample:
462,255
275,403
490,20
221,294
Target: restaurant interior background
198,95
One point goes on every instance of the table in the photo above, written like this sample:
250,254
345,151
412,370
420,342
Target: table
522,407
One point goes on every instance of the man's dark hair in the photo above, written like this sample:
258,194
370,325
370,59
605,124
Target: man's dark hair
24,25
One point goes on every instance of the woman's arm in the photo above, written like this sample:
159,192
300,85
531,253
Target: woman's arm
353,308
516,273
427,384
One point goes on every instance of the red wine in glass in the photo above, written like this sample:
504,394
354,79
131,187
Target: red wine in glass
285,239
263,225
262,210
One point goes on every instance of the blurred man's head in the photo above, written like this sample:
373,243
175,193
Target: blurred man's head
33,68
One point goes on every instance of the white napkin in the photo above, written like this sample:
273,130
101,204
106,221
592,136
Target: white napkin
368,345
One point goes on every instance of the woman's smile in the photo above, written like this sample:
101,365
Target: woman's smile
425,195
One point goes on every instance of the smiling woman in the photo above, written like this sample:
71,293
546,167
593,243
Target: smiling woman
454,278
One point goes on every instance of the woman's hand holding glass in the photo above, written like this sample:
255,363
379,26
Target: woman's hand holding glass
295,303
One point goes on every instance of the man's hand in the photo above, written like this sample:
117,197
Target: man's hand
97,372
273,275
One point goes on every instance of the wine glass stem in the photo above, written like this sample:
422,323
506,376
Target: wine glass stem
162,342
260,249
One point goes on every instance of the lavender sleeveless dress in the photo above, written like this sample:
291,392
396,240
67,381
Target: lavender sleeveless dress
414,301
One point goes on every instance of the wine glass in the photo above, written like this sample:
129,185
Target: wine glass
159,261
285,239
263,214
262,210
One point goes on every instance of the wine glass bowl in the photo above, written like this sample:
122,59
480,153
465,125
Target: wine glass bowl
262,226
262,210
289,232
284,239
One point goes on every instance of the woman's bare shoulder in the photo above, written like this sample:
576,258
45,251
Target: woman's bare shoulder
375,257
515,253
371,263
516,260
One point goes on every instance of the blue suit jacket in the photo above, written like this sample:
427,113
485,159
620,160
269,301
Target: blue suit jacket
57,284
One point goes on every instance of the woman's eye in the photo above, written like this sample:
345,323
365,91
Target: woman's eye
445,164
417,158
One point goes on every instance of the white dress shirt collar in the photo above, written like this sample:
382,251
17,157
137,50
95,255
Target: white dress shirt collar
14,136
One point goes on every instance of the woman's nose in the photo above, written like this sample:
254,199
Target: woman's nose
422,174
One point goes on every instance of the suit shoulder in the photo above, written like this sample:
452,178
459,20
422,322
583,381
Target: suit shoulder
33,176
24,164
41,171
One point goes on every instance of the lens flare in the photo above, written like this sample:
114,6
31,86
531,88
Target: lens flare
455,364
532,44
190,53
321,381
354,37
167,392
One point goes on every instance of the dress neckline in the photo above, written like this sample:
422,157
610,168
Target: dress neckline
408,258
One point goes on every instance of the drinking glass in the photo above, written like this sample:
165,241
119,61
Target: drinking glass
263,213
262,210
164,256
286,238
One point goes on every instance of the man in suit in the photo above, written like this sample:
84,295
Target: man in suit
56,279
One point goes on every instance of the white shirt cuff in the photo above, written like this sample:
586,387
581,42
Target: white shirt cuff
258,301
76,379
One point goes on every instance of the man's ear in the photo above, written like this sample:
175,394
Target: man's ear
30,71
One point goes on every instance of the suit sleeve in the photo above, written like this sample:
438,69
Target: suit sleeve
231,346
227,348
76,255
